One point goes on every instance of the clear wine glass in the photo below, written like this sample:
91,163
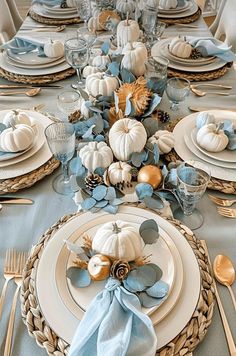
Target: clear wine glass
156,71
158,30
68,101
85,11
192,181
61,141
76,54
149,19
177,89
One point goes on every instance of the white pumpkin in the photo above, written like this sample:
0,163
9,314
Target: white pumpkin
127,31
180,48
119,172
54,49
96,154
168,4
204,118
125,6
90,70
125,137
212,138
100,61
15,117
164,139
99,83
17,138
135,55
118,240
93,22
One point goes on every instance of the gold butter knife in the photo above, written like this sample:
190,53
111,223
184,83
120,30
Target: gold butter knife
200,108
12,200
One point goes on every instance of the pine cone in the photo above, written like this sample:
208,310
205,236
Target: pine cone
163,116
195,54
74,117
63,5
93,180
134,172
119,269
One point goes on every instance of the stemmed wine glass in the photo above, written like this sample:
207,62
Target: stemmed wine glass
85,11
76,53
61,141
192,181
149,19
177,89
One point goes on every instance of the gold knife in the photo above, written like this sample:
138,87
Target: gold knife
199,108
12,200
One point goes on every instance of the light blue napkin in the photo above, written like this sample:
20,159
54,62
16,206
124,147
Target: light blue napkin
114,325
24,45
210,46
47,2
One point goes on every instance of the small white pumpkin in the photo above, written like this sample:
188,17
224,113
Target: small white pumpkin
54,49
125,137
180,48
96,154
118,240
99,267
125,6
100,61
119,172
135,55
99,83
90,70
16,138
127,31
15,117
204,118
212,138
168,4
164,139
93,22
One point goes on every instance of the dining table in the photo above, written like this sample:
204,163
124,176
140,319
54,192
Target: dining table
21,226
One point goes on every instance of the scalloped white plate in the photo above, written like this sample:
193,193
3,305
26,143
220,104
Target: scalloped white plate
191,10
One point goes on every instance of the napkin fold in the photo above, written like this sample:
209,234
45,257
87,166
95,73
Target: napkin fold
114,325
24,45
210,46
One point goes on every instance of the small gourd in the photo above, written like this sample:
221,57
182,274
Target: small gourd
212,138
125,137
127,31
96,154
119,172
53,49
204,118
99,267
16,138
180,48
99,83
125,6
135,55
164,139
100,61
90,70
168,4
118,240
15,117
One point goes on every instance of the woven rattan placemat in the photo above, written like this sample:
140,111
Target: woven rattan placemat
182,344
182,20
51,21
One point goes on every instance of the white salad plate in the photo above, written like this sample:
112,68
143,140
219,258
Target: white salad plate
58,9
40,10
189,61
36,66
223,156
176,10
161,49
31,58
55,310
190,10
186,154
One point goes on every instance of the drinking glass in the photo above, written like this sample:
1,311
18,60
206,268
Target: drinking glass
61,141
68,101
158,30
156,71
192,181
76,53
85,11
177,89
149,19
89,36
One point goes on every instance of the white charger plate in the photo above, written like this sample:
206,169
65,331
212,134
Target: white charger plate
185,154
4,64
178,9
161,49
50,301
164,253
188,12
36,66
223,156
40,10
31,58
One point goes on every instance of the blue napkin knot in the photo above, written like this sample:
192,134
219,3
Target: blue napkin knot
112,284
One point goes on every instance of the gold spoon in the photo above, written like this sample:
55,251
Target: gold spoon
225,273
199,92
45,29
31,92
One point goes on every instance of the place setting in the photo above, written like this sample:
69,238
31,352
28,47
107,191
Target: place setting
178,11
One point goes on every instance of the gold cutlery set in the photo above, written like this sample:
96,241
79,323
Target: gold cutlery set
32,90
223,206
195,89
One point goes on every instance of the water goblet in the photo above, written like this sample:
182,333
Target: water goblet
156,73
68,101
85,11
158,30
192,181
76,54
61,141
177,89
89,36
149,19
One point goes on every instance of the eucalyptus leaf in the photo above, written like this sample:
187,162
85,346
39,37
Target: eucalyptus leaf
105,48
148,224
128,106
99,126
153,203
128,287
111,209
143,190
106,98
127,76
149,302
95,109
99,138
99,192
158,290
83,93
100,171
79,278
136,159
228,127
115,201
156,153
156,99
88,203
80,181
94,210
88,104
72,247
114,68
149,231
141,277
151,126
110,194
101,204
2,127
75,164
232,142
89,132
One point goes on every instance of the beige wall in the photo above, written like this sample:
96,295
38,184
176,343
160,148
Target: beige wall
23,6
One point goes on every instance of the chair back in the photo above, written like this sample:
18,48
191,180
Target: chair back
7,26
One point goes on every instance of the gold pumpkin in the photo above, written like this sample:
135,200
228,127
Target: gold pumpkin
99,267
151,175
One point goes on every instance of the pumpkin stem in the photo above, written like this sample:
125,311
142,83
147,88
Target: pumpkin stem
219,127
127,18
116,229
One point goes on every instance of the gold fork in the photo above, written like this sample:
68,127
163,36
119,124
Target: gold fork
222,201
10,269
18,281
227,212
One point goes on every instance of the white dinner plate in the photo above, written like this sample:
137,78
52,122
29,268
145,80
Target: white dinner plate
189,61
178,9
161,49
162,253
4,64
189,143
192,9
54,310
36,66
58,9
40,10
223,156
185,154
31,58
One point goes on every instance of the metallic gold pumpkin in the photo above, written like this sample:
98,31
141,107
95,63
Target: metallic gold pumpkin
151,175
99,267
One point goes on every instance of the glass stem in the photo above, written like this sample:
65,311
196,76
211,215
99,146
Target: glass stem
188,208
65,171
78,70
